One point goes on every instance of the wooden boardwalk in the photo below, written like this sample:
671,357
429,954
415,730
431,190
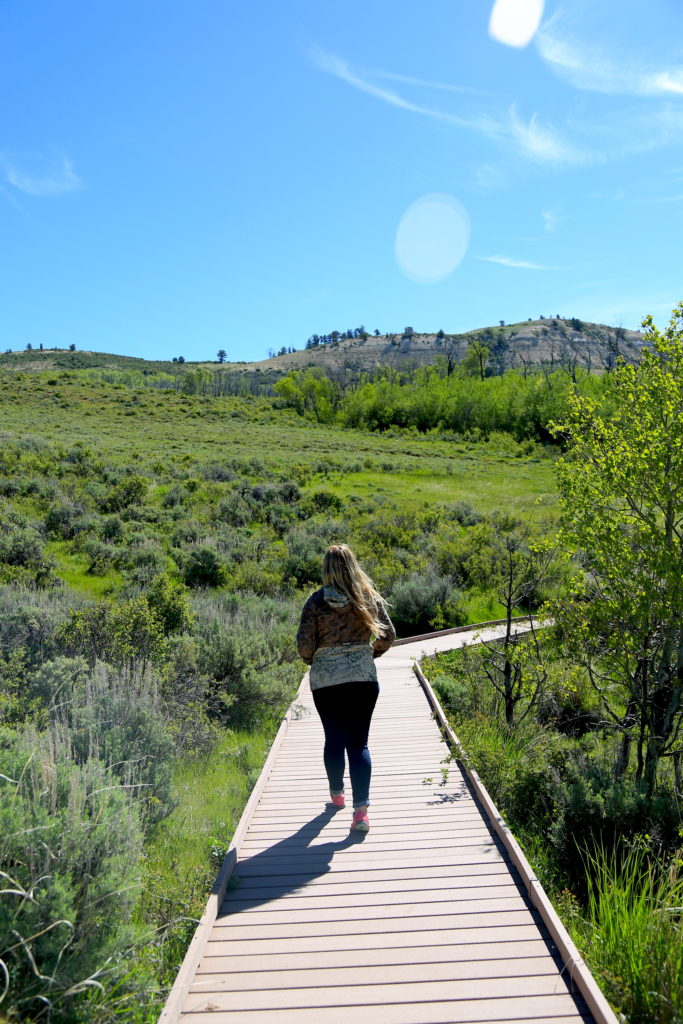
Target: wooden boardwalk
422,921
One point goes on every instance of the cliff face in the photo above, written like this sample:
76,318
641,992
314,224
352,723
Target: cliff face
555,343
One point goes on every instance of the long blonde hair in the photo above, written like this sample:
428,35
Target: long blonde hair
342,571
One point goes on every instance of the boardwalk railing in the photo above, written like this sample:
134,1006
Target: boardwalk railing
571,958
436,917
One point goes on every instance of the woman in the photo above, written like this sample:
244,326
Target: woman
337,624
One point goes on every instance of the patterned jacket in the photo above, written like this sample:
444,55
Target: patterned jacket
328,619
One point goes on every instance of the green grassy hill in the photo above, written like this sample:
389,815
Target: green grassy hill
163,431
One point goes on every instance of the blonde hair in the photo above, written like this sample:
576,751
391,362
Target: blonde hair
342,571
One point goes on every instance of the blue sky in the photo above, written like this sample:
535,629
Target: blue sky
177,178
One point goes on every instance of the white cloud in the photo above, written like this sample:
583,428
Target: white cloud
53,181
468,90
340,68
591,67
670,81
657,200
508,261
542,141
612,195
551,219
489,178
535,140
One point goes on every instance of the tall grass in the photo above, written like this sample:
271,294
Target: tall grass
631,934
185,851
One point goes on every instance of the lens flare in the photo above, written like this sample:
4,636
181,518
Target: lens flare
432,238
515,22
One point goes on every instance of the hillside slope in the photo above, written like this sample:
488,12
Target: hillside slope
554,343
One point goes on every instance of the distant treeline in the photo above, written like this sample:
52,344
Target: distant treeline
516,403
334,337
200,381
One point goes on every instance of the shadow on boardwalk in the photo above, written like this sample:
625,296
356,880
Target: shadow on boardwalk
286,866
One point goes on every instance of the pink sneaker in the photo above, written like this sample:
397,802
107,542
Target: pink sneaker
338,800
360,822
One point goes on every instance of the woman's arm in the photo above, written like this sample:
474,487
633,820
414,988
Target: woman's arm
307,633
384,642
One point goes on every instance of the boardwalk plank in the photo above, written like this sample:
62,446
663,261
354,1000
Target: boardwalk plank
475,1011
290,914
378,994
232,926
434,840
492,953
218,946
306,977
480,895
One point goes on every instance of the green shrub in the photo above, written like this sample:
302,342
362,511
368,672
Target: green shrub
129,491
204,567
65,913
20,545
303,560
170,602
236,510
101,557
145,563
175,496
30,620
631,934
463,513
594,811
186,533
62,519
111,528
420,602
9,486
217,472
326,501
187,698
116,716
246,647
126,634
247,683
17,704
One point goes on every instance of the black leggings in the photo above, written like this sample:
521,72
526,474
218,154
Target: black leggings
346,711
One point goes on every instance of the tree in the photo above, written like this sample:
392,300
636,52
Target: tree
72,347
451,350
29,346
507,555
221,355
181,359
621,487
500,347
476,358
310,392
